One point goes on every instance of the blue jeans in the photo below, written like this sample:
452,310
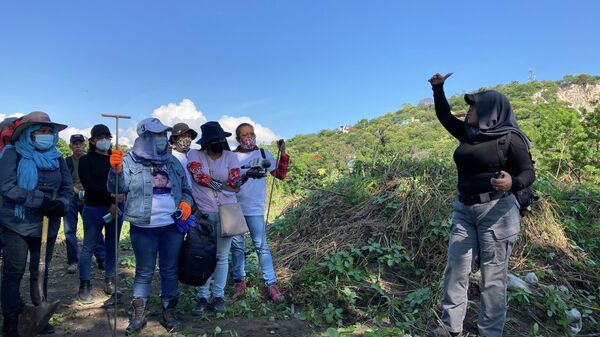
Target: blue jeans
256,224
92,230
70,226
147,242
219,277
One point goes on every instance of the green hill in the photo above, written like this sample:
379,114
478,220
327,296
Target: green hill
366,236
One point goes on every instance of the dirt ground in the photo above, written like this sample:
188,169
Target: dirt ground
256,317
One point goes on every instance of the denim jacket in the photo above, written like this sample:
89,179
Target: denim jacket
12,195
135,181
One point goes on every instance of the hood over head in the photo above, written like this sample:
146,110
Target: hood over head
495,115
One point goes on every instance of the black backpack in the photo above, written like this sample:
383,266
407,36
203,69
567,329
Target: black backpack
198,256
525,197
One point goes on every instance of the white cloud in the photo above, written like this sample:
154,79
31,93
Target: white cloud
127,136
68,132
183,112
264,135
16,114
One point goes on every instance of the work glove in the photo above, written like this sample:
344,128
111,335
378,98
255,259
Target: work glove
116,160
51,207
184,225
58,209
186,210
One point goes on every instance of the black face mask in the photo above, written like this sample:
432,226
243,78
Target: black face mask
216,147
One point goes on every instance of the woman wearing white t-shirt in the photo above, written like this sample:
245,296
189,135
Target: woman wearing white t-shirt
255,163
215,171
181,139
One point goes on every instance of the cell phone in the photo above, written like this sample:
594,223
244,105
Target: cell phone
497,175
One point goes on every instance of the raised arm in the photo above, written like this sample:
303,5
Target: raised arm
455,126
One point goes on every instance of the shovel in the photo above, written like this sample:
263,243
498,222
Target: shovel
34,318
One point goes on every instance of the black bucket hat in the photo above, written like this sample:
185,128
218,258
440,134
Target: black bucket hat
36,117
211,131
181,128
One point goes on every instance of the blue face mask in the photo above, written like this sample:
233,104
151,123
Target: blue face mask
161,144
43,142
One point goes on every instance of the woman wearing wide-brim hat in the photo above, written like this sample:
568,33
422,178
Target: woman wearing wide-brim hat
35,182
215,173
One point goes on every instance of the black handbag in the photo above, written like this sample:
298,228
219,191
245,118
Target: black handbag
198,256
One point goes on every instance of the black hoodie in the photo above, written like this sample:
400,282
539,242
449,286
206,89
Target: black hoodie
476,156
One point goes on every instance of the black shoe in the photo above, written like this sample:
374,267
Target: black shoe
217,304
169,317
47,330
201,307
109,285
137,321
10,326
85,291
100,264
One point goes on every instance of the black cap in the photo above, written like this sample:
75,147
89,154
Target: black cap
181,128
100,129
77,138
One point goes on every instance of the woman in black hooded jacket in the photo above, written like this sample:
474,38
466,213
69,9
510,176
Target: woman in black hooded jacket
485,218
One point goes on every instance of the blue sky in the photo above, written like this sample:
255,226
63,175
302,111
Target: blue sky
292,66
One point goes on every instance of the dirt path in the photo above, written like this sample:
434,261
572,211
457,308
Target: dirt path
255,317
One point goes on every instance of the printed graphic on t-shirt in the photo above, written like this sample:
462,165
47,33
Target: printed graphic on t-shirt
161,184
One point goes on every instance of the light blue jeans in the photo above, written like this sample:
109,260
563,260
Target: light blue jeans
256,224
487,230
219,277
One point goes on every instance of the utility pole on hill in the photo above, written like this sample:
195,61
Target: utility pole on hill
531,76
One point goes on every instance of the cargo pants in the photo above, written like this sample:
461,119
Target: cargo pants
488,230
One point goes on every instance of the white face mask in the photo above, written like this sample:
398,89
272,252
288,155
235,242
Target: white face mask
103,144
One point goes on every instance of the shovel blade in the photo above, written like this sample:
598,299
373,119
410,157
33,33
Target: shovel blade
34,318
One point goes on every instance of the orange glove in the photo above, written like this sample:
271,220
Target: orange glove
186,210
116,160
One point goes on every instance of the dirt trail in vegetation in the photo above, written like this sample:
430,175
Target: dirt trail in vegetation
74,318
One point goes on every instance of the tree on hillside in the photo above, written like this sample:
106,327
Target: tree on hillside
63,148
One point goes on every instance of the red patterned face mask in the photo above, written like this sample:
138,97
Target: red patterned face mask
248,143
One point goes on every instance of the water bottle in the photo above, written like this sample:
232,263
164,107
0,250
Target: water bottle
107,218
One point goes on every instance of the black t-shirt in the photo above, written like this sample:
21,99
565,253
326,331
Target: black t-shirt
476,162
93,173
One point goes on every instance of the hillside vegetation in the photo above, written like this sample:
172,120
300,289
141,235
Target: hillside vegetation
363,244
